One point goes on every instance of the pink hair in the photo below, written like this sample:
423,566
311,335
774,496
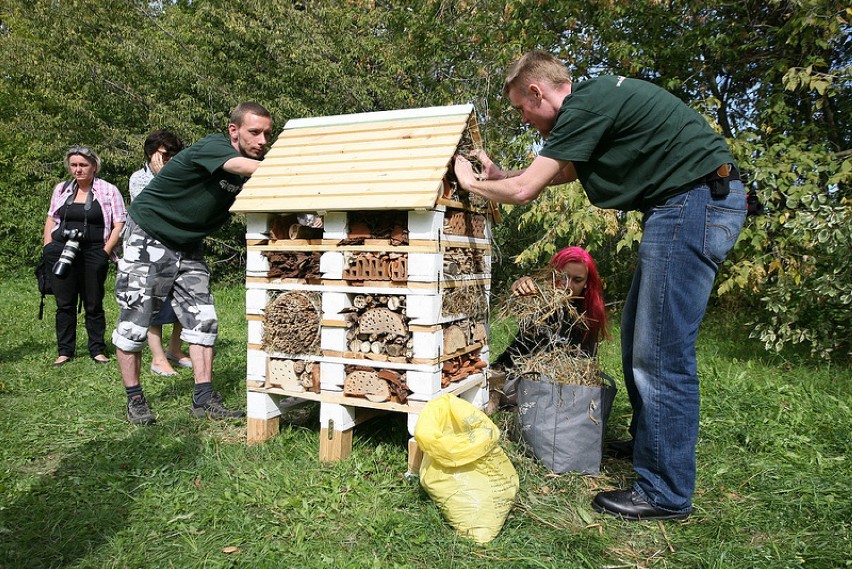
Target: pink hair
593,293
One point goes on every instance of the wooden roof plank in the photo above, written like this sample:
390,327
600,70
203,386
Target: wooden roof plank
325,202
394,130
284,178
429,155
350,144
349,188
379,116
369,161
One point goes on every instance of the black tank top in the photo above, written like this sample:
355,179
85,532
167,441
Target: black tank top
74,217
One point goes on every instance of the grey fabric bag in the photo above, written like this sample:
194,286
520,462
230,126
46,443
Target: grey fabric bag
563,425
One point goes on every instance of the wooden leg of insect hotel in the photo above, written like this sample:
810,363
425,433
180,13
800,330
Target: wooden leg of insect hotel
263,414
415,457
336,425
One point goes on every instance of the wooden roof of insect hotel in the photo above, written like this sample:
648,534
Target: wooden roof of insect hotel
367,161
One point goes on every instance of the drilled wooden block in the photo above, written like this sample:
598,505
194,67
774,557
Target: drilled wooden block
281,373
382,321
415,457
367,384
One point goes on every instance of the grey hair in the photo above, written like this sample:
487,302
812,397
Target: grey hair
90,155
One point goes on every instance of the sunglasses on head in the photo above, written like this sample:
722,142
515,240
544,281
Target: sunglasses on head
82,150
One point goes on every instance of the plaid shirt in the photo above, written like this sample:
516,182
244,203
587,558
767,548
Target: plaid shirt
112,204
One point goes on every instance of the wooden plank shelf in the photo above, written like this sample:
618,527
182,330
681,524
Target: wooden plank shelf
338,398
372,245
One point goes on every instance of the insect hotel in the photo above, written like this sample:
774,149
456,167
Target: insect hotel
367,274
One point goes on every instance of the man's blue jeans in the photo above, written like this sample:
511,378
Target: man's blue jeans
684,241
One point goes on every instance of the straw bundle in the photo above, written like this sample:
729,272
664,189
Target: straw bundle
545,324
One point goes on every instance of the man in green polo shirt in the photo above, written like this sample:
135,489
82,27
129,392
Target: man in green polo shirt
163,254
634,146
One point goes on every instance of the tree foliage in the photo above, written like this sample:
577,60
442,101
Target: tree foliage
772,75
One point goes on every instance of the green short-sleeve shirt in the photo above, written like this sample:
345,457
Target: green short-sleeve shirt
190,197
633,144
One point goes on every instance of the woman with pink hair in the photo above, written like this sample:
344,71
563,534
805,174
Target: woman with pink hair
574,269
581,275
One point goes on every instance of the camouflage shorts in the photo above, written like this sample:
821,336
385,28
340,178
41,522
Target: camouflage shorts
147,273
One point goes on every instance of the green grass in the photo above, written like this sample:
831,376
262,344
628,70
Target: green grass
80,487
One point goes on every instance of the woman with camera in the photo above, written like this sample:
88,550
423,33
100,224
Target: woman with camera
81,231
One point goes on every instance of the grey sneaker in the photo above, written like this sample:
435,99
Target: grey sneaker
138,411
213,409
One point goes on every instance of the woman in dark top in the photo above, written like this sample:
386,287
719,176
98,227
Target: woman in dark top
89,212
573,269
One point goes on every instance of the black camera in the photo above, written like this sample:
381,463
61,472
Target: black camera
72,246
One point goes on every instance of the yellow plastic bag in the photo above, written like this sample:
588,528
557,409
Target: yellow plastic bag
464,469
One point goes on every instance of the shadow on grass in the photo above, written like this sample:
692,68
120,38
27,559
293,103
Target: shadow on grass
87,498
28,350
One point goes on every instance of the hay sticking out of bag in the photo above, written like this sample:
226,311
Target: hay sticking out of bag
560,366
292,322
547,316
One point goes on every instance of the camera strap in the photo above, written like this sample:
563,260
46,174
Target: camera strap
86,206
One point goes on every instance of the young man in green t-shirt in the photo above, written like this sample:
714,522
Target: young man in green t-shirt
163,253
634,146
